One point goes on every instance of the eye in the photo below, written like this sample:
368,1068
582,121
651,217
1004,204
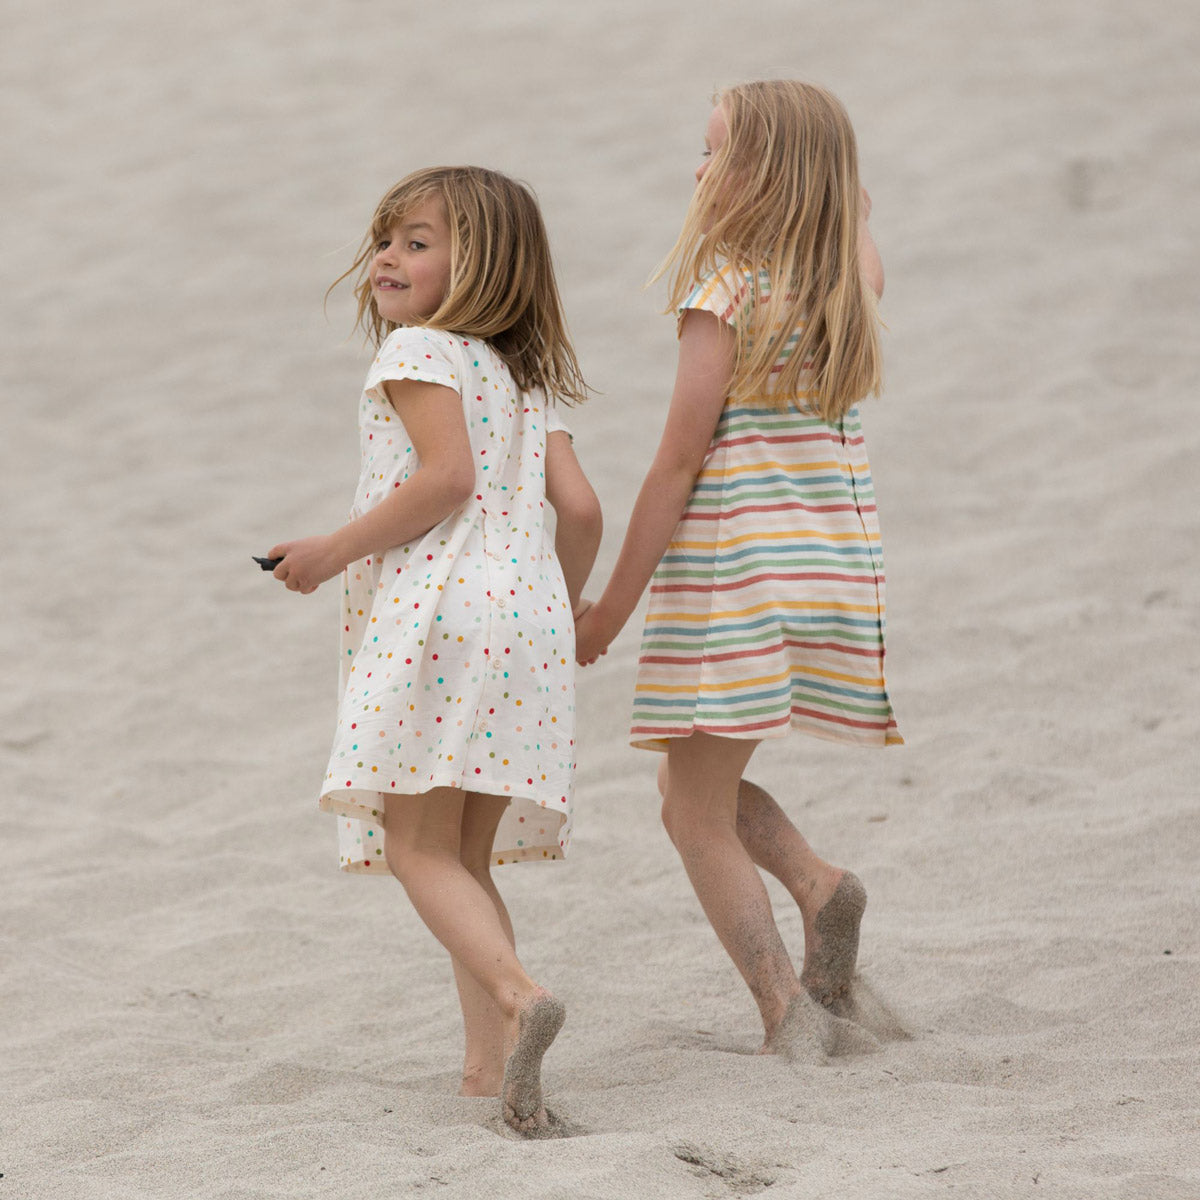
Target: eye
382,244
415,245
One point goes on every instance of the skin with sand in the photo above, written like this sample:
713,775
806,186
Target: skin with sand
771,141
440,842
538,1024
832,1007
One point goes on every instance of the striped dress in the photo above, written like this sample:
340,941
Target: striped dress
766,612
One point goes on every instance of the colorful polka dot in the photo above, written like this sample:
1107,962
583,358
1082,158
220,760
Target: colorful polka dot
441,720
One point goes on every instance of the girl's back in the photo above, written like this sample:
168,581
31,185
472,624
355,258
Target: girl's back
460,641
767,609
454,744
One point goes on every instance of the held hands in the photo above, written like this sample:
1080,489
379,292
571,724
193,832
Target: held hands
306,564
591,636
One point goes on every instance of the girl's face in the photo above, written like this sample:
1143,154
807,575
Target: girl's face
716,133
410,273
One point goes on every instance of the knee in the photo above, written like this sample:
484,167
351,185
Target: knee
670,810
407,860
673,818
399,860
481,873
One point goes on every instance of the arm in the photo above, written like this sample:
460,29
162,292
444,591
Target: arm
444,479
706,356
869,261
579,524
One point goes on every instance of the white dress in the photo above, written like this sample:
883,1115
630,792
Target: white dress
457,649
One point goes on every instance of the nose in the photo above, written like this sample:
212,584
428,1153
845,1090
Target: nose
701,169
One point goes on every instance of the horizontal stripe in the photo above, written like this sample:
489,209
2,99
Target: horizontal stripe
767,608
795,506
687,658
708,586
779,677
709,725
832,610
740,538
834,470
793,555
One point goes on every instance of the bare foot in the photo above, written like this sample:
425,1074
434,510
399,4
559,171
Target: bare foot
521,1097
800,1034
809,1032
831,953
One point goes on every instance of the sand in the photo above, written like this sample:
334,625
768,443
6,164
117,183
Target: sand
194,1003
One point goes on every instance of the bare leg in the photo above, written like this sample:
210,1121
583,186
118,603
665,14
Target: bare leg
423,847
700,806
488,1036
831,900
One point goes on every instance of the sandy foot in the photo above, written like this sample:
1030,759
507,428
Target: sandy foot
829,962
810,1032
865,1009
521,1097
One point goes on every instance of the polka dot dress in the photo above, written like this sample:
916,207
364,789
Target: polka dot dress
457,649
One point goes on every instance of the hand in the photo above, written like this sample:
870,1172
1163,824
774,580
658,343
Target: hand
591,639
869,262
306,564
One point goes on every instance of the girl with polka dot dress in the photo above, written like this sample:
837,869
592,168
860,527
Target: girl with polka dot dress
455,740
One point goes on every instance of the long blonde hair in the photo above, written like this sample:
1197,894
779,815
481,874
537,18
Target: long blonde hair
502,285
781,196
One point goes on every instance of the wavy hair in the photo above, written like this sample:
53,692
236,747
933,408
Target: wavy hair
781,196
502,286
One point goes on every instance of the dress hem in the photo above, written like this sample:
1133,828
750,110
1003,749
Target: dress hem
642,738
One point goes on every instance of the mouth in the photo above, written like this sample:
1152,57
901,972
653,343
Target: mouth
385,283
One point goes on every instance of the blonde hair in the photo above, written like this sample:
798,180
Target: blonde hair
781,196
502,287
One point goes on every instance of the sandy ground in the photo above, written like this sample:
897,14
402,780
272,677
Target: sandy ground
193,1002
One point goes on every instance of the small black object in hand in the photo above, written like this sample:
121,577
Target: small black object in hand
267,564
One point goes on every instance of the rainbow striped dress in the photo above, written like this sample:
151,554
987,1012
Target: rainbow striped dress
766,612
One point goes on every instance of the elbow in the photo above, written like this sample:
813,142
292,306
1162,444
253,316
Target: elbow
460,487
591,519
583,517
592,531
458,481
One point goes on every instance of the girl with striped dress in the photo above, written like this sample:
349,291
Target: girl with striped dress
757,532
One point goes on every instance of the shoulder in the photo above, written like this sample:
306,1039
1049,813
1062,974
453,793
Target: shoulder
727,292
414,352
417,340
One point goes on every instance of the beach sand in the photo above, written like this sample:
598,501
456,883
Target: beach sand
194,1003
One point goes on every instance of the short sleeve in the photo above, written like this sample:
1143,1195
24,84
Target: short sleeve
725,292
555,423
412,352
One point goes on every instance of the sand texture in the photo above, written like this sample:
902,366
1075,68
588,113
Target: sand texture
195,1004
